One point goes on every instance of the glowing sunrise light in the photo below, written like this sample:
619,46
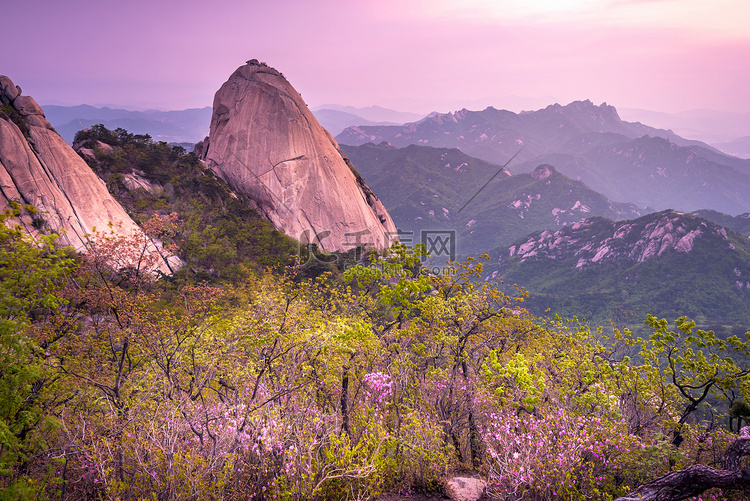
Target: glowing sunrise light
722,19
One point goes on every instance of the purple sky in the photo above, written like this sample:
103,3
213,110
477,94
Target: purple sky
411,55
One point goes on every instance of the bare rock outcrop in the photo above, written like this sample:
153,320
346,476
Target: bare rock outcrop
38,168
265,143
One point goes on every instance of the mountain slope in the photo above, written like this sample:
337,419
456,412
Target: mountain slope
739,224
40,171
624,161
655,172
667,264
427,188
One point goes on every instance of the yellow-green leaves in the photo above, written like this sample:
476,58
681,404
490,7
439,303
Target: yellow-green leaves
517,381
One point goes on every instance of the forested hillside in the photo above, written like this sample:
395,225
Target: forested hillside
250,376
667,264
211,227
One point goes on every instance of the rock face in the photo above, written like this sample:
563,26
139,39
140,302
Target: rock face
38,168
265,143
597,240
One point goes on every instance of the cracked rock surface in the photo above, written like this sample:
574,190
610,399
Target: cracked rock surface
265,143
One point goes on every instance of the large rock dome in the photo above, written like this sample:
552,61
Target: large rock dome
266,143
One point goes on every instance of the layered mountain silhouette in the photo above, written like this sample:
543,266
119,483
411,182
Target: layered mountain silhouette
180,126
427,189
624,161
335,118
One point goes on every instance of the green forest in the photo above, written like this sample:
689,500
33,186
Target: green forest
259,371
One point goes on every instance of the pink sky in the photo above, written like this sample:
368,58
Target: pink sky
410,55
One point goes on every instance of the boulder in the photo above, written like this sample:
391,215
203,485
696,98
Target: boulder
27,106
265,143
467,489
8,90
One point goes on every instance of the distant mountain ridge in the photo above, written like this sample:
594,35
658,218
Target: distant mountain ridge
493,134
727,131
191,125
335,118
739,224
372,113
655,172
667,264
587,142
180,126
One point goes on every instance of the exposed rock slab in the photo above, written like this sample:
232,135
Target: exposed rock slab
40,169
265,143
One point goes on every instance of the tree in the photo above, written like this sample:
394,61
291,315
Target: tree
32,273
696,366
696,479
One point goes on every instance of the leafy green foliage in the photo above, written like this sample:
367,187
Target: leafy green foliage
385,377
31,274
219,236
695,363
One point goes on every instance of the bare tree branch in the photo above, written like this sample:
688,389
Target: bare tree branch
698,478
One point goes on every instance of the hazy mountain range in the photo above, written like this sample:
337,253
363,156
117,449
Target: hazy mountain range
191,126
182,126
625,161
573,224
729,132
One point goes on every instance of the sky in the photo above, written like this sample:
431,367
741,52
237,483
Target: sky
408,55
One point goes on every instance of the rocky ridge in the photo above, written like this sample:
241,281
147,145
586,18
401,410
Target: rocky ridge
265,143
496,135
667,263
41,173
634,241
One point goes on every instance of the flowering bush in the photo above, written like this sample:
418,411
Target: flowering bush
557,456
378,387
